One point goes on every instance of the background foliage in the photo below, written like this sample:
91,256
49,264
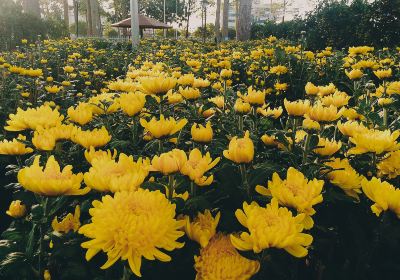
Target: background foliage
341,24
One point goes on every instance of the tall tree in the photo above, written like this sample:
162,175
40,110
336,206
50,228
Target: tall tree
66,12
31,7
96,23
243,26
285,5
89,18
190,8
225,16
217,21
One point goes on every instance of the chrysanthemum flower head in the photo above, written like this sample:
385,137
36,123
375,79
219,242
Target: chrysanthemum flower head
295,191
271,226
50,180
132,225
163,127
384,194
202,228
70,222
220,260
344,176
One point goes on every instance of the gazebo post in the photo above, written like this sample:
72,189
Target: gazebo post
134,23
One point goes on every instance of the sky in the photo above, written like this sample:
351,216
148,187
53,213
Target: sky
303,5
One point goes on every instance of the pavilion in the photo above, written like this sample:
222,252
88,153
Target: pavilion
144,23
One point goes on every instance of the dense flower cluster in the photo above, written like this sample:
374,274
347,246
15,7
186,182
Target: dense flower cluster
249,146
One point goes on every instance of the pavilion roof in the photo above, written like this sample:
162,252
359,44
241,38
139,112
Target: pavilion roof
144,22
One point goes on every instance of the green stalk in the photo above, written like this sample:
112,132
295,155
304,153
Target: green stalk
44,203
171,186
160,146
373,163
306,147
192,189
240,122
225,95
126,274
385,118
245,183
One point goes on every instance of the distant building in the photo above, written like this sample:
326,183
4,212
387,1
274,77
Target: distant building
261,11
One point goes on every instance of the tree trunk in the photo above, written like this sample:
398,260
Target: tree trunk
95,18
31,7
244,20
217,22
225,15
188,18
89,18
236,15
66,13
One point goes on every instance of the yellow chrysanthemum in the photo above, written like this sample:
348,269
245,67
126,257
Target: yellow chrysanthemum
53,89
14,147
202,228
170,162
81,114
132,225
132,103
295,191
296,108
385,196
253,97
350,128
202,134
157,85
327,147
268,112
321,113
390,165
374,141
50,180
272,226
219,260
354,74
219,101
310,124
197,165
97,137
190,93
326,90
43,116
345,177
338,99
383,74
241,106
70,222
125,174
311,89
16,209
92,154
240,150
163,127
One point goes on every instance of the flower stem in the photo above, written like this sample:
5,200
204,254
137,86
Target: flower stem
306,147
126,274
245,183
225,95
240,122
160,146
44,203
385,118
192,189
171,186
373,163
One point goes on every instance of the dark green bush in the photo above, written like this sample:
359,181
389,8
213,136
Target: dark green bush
341,24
